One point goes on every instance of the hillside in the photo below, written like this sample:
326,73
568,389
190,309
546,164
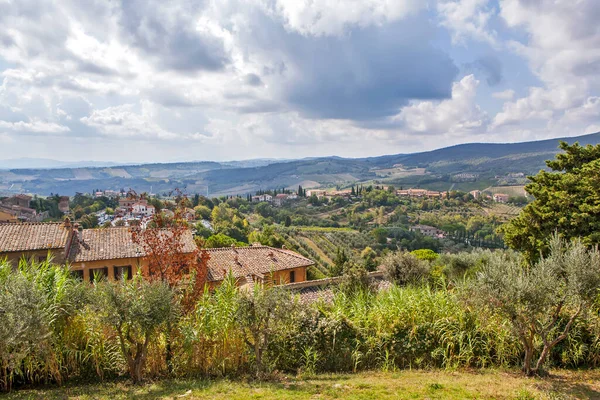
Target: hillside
436,169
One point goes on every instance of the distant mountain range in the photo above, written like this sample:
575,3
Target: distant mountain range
44,163
465,167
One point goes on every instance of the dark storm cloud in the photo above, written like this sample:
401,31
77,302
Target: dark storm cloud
367,74
253,80
491,68
171,40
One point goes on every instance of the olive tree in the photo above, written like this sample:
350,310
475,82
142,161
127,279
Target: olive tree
24,327
542,301
262,312
405,268
136,309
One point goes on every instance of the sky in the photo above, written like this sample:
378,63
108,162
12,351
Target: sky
182,80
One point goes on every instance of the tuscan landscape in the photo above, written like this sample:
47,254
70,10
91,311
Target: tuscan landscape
299,199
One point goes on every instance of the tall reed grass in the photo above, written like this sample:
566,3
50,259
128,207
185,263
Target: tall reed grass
50,333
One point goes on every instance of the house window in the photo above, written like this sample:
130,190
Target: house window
121,271
97,274
77,274
292,276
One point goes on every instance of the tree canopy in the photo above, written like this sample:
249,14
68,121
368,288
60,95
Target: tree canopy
567,201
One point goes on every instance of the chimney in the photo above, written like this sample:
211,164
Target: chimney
283,247
67,223
233,247
78,230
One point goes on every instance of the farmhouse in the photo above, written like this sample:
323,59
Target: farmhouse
142,208
113,253
432,194
501,198
263,197
475,193
8,215
63,204
427,230
280,199
256,263
107,252
20,200
35,240
314,192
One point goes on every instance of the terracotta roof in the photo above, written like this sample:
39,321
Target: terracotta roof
257,260
323,289
113,243
32,236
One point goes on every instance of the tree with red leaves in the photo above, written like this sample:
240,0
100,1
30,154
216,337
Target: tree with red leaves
173,258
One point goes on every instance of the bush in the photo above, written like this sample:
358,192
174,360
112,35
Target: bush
405,268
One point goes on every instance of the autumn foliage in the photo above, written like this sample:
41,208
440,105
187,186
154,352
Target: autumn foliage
172,255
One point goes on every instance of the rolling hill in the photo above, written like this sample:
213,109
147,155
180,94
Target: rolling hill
432,169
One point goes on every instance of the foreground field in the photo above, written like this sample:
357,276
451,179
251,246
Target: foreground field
487,384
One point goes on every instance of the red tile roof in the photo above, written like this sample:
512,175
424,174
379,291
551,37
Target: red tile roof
323,289
251,260
32,236
113,243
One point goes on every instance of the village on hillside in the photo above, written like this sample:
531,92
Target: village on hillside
92,233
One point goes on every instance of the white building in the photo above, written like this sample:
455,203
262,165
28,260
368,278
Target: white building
143,208
427,230
263,197
501,198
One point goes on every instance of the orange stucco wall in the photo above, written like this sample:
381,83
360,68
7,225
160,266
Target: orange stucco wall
14,257
86,267
279,277
284,276
6,217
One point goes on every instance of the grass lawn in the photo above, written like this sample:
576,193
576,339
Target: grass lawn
437,384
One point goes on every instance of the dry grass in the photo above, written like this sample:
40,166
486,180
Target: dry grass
437,384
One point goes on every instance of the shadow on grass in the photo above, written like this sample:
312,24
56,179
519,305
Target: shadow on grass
166,388
560,384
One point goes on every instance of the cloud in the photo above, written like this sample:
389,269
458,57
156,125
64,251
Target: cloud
368,75
467,19
170,36
507,94
32,127
123,121
336,17
456,116
253,80
490,66
563,46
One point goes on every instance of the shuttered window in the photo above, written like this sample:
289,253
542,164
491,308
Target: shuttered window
98,273
121,271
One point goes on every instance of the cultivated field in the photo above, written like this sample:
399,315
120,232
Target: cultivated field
509,190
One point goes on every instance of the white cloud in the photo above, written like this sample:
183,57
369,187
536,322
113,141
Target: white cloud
467,19
507,94
33,127
563,51
123,121
333,17
456,116
540,103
